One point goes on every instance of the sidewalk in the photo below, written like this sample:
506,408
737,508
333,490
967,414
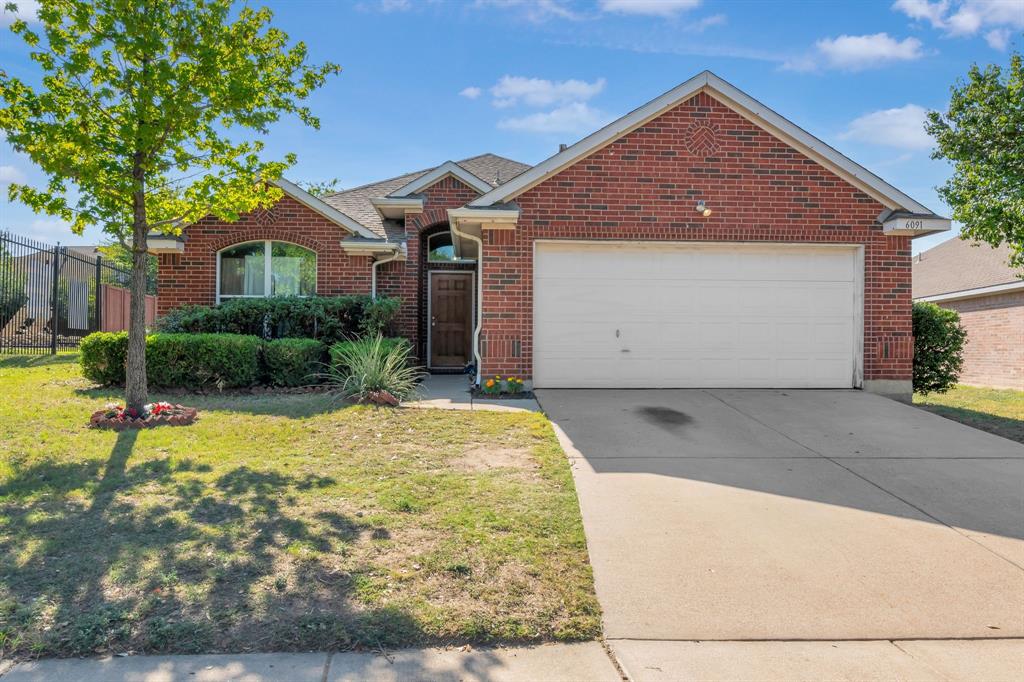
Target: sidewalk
554,662
451,392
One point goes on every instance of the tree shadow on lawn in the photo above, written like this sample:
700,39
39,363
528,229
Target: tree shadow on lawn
28,361
291,405
1013,429
157,557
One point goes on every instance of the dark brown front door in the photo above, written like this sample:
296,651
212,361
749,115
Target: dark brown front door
451,318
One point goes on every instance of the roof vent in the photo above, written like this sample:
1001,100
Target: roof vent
562,147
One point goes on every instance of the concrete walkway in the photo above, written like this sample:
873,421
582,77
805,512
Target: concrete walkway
554,662
804,519
451,392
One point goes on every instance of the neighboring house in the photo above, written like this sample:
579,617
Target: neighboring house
975,280
701,240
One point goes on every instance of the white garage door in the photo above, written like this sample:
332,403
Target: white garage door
648,315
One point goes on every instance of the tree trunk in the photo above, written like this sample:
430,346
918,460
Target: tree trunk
136,390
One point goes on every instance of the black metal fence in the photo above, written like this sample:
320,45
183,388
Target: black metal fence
51,296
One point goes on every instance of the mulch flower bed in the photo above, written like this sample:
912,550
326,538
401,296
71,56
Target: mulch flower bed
118,418
520,395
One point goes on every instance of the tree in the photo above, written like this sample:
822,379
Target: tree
320,189
134,115
122,258
982,134
938,348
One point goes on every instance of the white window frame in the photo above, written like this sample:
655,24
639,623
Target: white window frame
268,269
451,236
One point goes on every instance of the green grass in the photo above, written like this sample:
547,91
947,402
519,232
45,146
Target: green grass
279,523
998,411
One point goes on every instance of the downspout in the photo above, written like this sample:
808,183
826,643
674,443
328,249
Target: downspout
454,225
373,271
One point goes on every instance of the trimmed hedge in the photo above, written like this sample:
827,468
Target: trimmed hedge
344,348
176,360
292,362
103,355
938,348
326,318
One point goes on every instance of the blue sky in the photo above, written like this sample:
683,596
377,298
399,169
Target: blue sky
426,81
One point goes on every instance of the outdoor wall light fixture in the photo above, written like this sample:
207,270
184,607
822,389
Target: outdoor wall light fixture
703,209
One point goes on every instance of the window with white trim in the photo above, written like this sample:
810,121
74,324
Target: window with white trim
440,249
265,268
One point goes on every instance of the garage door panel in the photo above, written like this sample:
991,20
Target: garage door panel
687,315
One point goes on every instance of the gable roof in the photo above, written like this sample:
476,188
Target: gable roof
330,212
735,99
356,202
448,168
958,265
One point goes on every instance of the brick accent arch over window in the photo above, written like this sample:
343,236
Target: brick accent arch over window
192,279
264,234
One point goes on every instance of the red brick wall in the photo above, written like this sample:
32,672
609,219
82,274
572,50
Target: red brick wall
994,355
190,277
645,186
407,279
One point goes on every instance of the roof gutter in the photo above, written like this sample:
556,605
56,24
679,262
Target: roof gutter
377,262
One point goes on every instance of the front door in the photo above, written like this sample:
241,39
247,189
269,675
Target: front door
451,318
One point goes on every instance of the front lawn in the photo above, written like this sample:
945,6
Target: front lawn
279,523
998,411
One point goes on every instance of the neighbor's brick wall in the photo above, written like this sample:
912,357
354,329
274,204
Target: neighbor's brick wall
190,277
645,186
994,354
408,279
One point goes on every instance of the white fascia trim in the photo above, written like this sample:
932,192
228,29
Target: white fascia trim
444,170
974,293
484,215
326,210
157,245
746,106
916,226
372,248
395,208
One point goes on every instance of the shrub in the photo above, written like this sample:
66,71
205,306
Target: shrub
200,360
176,360
326,318
378,315
373,369
103,355
344,348
938,348
292,362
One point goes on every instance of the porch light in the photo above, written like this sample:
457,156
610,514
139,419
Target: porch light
703,209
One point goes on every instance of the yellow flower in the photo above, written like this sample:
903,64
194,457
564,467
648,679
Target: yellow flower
490,383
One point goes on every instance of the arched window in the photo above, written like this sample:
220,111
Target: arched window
259,269
441,250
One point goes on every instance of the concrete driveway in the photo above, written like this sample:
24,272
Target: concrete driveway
794,515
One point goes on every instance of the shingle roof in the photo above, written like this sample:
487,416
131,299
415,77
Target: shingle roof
355,202
959,265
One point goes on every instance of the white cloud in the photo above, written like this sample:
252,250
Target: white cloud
27,10
922,10
9,174
658,8
707,22
50,230
472,92
856,53
968,17
539,92
536,11
902,128
998,38
575,117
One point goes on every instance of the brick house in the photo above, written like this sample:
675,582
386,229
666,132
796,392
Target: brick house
975,280
701,240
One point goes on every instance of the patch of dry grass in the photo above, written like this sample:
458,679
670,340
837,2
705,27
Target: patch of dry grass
279,523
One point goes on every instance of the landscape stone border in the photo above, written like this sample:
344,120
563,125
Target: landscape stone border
178,416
